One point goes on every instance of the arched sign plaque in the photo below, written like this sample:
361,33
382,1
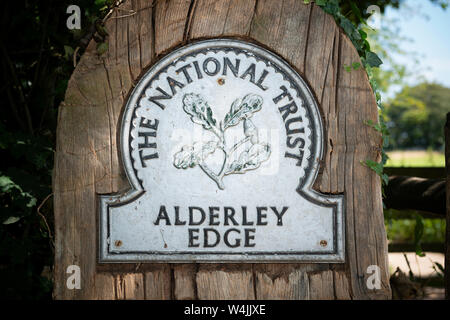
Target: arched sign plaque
221,141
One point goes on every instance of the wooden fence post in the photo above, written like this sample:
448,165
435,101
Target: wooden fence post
88,162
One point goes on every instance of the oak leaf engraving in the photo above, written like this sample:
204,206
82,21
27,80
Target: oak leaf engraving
190,156
250,158
199,110
201,113
242,109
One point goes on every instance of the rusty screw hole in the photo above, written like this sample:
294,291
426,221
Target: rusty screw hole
118,243
221,81
323,243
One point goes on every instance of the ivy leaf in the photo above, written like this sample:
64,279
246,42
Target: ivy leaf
418,233
356,65
11,220
440,267
68,52
199,110
242,109
350,29
363,34
373,60
6,184
375,166
190,156
385,178
32,200
378,168
40,160
356,12
102,47
250,159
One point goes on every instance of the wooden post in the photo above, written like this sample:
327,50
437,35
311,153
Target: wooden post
447,238
87,158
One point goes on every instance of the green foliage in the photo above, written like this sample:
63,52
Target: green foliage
418,234
385,134
356,10
354,26
388,44
416,116
354,66
416,230
350,16
102,47
407,230
369,60
373,60
378,168
37,56
439,269
415,158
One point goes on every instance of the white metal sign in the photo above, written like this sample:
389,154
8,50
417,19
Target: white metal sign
221,141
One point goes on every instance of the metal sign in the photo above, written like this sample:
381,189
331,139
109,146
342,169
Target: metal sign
221,141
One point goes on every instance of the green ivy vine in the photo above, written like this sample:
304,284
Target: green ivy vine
369,60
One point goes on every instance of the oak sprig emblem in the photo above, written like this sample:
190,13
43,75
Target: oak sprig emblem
241,110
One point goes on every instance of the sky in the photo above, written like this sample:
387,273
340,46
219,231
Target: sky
427,26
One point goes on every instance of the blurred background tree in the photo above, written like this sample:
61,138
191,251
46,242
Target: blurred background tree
415,116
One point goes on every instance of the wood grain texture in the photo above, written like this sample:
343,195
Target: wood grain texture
87,158
225,282
221,18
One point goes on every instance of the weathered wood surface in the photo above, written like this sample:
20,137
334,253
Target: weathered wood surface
87,158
